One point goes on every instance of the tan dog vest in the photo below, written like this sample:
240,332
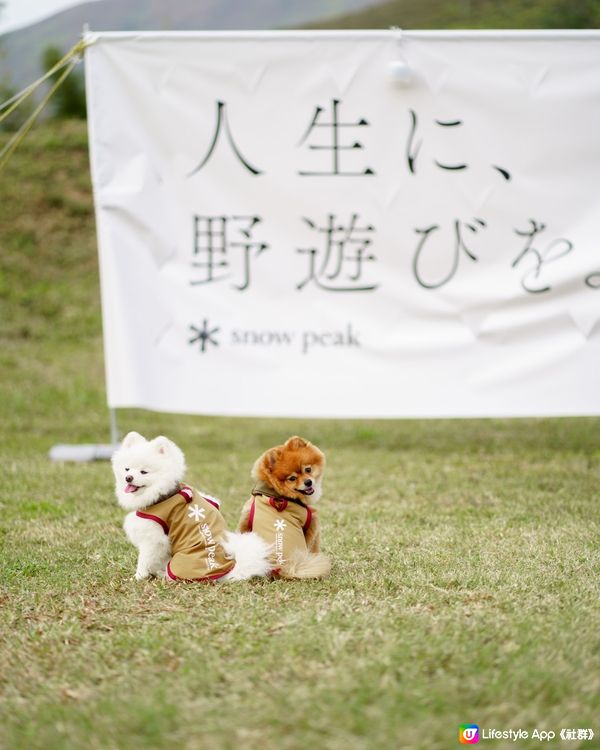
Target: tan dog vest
195,528
280,522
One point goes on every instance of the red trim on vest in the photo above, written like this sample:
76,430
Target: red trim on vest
214,503
156,519
187,494
308,519
251,516
214,577
279,503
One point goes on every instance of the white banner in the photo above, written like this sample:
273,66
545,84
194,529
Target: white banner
369,224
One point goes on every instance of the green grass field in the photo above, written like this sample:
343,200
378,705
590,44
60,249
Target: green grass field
466,564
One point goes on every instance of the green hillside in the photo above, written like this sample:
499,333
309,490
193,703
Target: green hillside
472,14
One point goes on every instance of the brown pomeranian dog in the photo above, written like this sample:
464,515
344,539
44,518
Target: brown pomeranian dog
287,478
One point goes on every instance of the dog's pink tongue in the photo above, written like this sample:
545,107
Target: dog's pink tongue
130,488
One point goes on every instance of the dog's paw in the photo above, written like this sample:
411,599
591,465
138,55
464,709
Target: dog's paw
141,575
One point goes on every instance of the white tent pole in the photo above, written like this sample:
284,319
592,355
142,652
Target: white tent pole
114,430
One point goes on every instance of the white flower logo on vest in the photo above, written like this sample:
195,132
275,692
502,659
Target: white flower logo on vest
197,513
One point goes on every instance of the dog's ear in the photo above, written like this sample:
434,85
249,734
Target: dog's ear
163,445
167,448
263,466
271,457
133,438
294,443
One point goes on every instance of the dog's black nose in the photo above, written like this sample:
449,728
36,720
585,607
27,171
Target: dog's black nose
308,482
129,479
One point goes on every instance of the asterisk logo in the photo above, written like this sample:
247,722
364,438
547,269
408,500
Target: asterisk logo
280,525
204,335
197,513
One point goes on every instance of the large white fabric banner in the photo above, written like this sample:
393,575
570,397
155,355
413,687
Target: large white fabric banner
368,224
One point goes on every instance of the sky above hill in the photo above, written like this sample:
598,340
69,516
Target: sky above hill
16,13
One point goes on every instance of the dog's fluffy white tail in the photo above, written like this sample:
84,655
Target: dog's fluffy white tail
306,565
251,554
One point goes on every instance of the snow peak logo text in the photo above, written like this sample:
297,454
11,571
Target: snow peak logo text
279,525
197,515
209,540
308,341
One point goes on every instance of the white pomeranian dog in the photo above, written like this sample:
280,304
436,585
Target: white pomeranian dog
179,532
